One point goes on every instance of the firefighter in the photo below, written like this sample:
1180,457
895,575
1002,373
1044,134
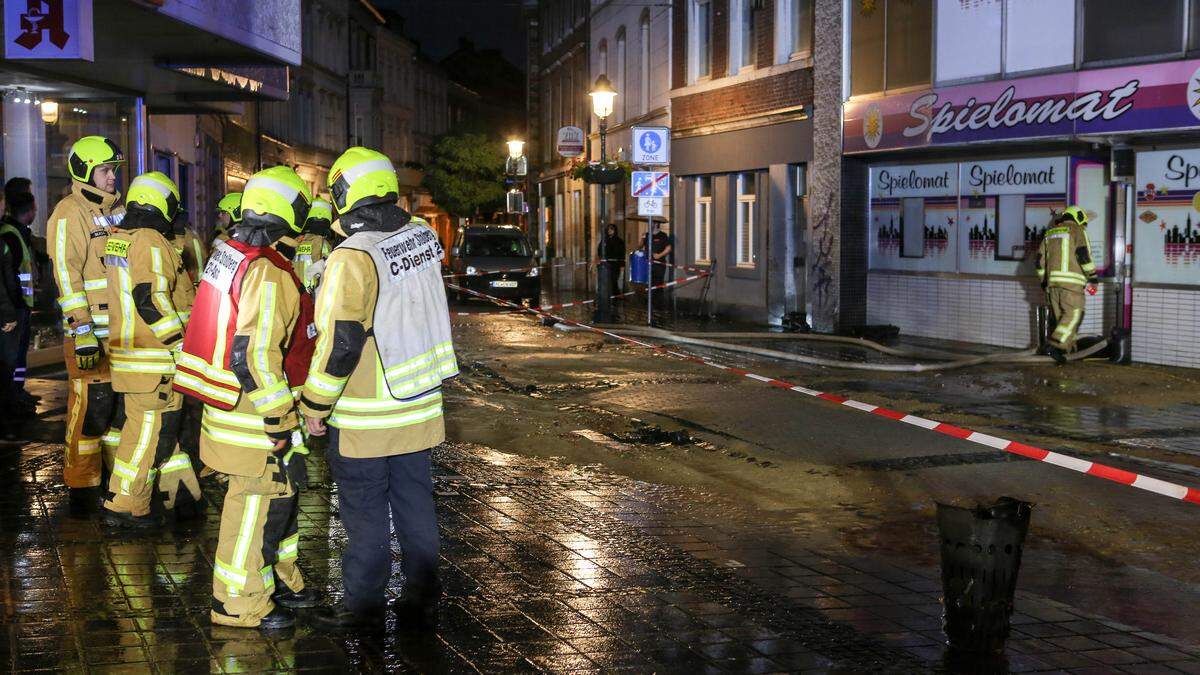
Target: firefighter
191,250
77,232
229,214
313,246
248,345
383,349
151,295
1065,269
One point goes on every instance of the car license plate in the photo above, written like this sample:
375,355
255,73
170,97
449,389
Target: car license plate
504,284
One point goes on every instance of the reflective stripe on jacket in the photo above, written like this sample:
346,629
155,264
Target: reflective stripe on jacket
151,295
1065,257
25,265
416,348
76,233
384,344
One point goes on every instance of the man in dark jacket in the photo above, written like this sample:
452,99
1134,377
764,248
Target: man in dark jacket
611,251
18,239
8,335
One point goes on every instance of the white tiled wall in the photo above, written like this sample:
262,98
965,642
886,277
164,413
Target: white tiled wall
1166,326
998,312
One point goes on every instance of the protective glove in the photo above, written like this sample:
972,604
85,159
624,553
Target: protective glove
87,349
292,457
296,462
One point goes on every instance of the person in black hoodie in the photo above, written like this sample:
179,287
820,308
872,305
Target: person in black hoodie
9,336
611,251
15,232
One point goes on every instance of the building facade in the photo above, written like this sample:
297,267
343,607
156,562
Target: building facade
310,130
162,98
630,45
741,99
559,81
968,126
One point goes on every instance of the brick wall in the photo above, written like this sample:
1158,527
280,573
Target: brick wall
720,47
679,44
755,97
764,32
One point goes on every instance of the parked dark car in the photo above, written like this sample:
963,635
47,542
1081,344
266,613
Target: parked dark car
497,260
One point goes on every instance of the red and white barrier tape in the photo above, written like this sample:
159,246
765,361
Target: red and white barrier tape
1167,489
546,308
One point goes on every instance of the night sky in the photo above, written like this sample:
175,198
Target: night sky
437,25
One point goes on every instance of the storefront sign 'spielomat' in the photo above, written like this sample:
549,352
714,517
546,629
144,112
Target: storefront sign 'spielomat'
1166,234
1113,100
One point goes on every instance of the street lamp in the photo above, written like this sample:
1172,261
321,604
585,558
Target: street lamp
603,96
516,148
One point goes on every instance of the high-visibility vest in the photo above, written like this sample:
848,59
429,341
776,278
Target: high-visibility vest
412,319
25,267
203,370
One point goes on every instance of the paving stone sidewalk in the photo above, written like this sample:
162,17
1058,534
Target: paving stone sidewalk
546,566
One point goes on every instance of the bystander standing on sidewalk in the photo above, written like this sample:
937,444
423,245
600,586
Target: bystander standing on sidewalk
611,252
9,297
20,211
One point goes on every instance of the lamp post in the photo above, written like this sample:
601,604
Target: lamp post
603,95
516,167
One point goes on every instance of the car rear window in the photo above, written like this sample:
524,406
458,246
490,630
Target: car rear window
496,246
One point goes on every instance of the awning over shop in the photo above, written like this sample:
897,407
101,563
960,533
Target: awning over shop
180,55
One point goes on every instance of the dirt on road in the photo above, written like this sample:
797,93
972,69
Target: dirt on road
850,481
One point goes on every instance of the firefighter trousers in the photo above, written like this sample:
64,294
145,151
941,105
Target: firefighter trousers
148,452
257,547
1066,311
90,407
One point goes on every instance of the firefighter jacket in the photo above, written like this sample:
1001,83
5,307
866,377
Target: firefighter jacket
76,233
22,256
1065,258
247,348
311,249
384,343
193,252
151,297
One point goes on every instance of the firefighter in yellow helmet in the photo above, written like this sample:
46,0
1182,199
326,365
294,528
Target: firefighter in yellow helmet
229,214
247,347
151,295
1065,268
383,350
76,234
314,246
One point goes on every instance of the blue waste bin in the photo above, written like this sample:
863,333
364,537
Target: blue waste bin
639,269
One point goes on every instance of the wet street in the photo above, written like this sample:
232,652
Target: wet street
606,508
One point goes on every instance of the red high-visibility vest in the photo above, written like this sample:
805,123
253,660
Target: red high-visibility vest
202,370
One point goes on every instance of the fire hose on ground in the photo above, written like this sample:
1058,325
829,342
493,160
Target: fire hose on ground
1028,358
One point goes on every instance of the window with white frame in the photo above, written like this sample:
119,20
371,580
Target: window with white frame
746,201
741,29
644,64
700,30
703,228
794,29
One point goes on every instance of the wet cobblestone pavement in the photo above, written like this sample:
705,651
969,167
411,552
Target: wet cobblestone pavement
547,566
